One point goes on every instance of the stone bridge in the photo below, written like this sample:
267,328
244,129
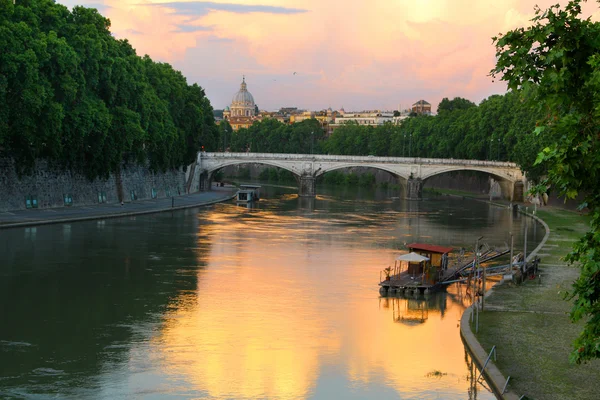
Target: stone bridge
413,172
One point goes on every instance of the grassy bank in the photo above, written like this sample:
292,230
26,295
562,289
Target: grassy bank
530,326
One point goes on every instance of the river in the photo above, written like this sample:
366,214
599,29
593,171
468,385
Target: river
276,301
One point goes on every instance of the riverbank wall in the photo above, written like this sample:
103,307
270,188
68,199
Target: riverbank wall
49,187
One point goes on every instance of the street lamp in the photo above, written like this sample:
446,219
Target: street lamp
490,151
404,145
312,141
498,152
410,145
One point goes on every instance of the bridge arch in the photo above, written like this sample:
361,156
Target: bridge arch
229,163
390,170
205,175
509,185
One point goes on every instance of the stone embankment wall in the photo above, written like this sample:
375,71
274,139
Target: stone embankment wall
49,186
472,181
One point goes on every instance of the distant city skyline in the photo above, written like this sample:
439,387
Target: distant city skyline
315,54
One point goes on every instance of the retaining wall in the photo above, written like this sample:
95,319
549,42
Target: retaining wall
47,187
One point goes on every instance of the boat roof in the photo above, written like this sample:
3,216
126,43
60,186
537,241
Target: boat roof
412,257
432,248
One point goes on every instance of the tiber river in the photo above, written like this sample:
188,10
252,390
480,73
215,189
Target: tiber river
279,301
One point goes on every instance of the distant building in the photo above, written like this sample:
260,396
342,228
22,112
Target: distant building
242,112
299,117
421,107
365,118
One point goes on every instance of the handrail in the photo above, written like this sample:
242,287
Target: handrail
493,350
334,157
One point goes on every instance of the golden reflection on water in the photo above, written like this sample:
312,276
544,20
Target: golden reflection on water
287,296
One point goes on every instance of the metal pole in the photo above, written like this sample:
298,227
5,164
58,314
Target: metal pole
410,144
525,246
505,385
483,289
477,320
498,152
512,245
475,266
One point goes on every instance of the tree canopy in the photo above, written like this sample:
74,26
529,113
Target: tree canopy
555,64
74,95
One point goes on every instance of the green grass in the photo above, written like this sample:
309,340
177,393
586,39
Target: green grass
530,326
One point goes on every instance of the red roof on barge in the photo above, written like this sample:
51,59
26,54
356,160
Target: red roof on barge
430,247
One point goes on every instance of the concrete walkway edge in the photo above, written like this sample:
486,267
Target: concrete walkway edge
115,215
493,375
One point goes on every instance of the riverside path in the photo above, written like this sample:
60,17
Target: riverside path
18,218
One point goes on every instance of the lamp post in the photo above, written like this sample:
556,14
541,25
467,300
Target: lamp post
410,145
490,151
498,152
404,146
312,141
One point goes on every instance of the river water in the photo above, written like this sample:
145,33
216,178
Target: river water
278,301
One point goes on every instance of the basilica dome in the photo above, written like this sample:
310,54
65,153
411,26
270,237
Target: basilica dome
242,103
243,96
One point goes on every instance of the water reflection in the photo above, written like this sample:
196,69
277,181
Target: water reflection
75,298
274,301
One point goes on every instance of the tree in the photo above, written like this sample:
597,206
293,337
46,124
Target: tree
72,94
556,63
458,103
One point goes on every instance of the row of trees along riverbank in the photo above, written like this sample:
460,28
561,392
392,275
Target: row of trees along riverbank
500,128
74,95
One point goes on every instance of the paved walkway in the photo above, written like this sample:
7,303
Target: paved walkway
18,218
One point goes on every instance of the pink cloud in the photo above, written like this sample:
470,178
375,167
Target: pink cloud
362,55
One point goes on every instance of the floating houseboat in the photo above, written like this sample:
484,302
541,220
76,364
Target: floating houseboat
248,193
427,268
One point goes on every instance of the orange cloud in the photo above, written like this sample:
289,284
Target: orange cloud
373,54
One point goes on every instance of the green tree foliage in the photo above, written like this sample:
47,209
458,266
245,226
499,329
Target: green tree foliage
556,64
458,103
74,95
272,136
499,128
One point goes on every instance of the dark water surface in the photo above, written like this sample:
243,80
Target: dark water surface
279,301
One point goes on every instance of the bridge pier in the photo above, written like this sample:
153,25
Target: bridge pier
307,186
205,181
414,189
518,193
513,191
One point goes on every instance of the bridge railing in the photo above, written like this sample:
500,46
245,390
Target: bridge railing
373,159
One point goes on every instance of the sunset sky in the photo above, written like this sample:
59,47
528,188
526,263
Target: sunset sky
314,54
